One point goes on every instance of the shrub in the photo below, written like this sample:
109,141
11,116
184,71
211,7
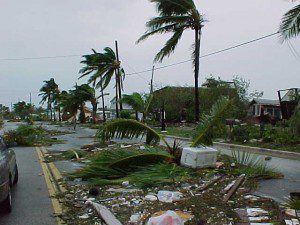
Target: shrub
125,114
240,133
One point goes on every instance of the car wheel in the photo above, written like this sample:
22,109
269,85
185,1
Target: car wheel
6,206
16,178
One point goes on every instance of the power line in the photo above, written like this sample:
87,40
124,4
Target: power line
37,58
207,55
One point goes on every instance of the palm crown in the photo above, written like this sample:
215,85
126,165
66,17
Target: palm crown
175,17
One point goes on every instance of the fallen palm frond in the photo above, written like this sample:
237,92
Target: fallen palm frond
74,154
118,163
125,128
253,165
204,130
293,203
151,175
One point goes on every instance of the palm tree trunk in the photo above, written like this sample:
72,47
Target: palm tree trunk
95,105
103,104
197,65
137,115
59,114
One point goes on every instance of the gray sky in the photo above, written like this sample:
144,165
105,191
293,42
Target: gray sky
34,28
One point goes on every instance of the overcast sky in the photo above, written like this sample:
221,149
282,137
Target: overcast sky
35,28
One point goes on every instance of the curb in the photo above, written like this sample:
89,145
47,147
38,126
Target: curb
255,150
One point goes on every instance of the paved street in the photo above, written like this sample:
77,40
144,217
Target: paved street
31,202
33,206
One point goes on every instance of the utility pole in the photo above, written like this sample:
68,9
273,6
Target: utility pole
152,77
30,98
118,86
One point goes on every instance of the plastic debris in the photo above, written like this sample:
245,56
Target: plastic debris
151,198
169,217
125,183
84,216
135,218
169,196
252,212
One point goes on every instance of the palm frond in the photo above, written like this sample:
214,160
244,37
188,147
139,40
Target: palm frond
135,101
179,7
170,45
124,128
290,25
153,31
208,122
160,21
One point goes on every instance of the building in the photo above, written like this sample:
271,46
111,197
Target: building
271,108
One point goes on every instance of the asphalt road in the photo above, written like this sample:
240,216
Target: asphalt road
32,205
31,202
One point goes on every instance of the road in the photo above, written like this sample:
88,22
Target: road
32,205
31,202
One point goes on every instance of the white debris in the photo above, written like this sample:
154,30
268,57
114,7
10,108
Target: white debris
142,148
228,187
251,197
151,198
84,216
252,212
295,221
91,199
135,218
125,183
169,196
123,190
259,219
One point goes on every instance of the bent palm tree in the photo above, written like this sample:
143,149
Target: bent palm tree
122,128
138,102
103,66
290,24
175,17
48,91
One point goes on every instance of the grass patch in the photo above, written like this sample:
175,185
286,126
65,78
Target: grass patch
253,166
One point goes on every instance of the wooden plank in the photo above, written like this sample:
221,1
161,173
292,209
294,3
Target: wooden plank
236,185
212,182
105,214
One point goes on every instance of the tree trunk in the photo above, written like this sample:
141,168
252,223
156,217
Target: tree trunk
103,103
54,114
82,114
95,105
137,115
59,114
197,62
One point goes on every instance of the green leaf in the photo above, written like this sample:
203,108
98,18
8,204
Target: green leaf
290,25
207,123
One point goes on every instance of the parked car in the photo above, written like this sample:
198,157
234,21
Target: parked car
8,175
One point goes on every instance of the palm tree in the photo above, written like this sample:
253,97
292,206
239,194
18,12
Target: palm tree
87,93
139,103
47,92
102,67
290,24
175,17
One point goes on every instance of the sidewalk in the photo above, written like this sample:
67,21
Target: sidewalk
255,150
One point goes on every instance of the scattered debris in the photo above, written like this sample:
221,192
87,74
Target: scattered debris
233,189
169,217
169,196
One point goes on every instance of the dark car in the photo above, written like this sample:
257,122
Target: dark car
8,175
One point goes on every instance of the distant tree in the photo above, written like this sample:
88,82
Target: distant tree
290,24
23,109
48,92
139,103
175,17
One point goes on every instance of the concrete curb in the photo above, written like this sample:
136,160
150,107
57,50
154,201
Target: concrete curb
255,150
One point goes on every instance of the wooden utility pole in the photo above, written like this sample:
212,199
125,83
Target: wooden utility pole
117,99
119,86
152,77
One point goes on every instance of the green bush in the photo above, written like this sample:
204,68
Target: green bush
125,114
281,136
241,133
